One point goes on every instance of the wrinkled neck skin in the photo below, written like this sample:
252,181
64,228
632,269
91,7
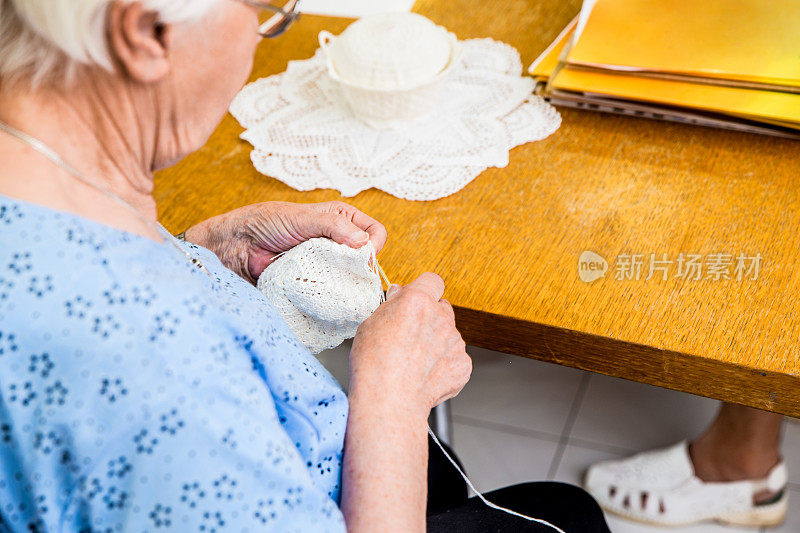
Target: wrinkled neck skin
113,131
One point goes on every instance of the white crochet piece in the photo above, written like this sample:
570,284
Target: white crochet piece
305,135
323,290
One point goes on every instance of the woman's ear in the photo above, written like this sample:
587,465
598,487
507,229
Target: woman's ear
138,41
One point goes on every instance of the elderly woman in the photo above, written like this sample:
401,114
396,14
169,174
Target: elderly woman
144,382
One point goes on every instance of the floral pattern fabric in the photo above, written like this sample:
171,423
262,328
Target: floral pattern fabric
139,394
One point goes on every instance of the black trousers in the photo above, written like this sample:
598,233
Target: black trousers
450,510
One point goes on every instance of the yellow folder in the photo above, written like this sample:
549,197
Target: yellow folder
754,41
547,62
770,107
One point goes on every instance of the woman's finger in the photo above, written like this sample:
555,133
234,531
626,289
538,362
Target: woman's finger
375,230
448,309
450,374
392,290
334,226
429,283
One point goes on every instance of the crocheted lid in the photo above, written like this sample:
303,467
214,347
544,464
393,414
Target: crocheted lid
323,290
391,51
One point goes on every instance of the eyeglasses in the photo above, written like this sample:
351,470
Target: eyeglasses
280,21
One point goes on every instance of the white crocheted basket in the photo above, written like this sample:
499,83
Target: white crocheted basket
391,67
323,290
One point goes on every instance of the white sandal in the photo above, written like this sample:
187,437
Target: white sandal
659,487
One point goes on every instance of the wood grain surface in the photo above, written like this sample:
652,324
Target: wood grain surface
508,244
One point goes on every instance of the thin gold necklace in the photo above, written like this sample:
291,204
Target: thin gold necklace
53,156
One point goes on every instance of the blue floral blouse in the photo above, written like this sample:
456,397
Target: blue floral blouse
138,394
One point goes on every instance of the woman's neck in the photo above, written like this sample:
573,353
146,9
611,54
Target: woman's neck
105,130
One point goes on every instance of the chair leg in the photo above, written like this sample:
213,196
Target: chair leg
441,423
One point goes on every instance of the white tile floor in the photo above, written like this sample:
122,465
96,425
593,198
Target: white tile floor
552,422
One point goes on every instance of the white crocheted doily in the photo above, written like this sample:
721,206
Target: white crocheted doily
323,290
304,134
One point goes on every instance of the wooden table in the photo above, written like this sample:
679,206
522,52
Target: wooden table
508,244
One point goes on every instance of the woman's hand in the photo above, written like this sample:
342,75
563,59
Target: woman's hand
247,239
406,358
410,348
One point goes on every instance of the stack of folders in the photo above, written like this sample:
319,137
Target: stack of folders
731,64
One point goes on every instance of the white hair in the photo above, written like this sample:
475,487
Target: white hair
43,40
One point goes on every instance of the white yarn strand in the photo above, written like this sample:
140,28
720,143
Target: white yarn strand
481,497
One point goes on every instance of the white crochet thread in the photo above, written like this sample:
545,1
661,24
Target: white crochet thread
324,290
482,497
305,135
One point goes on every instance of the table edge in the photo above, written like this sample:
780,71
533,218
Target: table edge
726,381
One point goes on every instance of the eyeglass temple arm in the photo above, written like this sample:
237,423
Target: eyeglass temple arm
267,5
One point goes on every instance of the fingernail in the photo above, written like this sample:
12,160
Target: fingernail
393,288
362,237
